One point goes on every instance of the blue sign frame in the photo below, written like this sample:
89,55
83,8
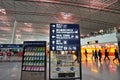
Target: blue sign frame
65,37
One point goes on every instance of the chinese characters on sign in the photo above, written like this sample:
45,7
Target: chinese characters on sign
64,37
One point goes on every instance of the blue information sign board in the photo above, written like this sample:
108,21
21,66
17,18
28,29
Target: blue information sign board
64,41
1,46
40,43
64,37
11,45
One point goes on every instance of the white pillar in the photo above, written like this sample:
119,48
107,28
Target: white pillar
14,32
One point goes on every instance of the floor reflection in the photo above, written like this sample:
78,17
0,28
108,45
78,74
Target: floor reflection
91,70
96,70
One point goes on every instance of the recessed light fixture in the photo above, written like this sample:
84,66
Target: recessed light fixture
28,29
3,11
18,36
28,24
64,17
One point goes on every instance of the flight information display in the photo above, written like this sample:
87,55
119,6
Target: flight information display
64,37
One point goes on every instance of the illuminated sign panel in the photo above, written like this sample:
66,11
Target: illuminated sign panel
64,37
34,60
64,43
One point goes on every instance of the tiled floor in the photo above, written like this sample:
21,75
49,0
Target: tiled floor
91,70
101,71
10,70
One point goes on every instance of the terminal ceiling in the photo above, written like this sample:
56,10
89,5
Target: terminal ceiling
33,17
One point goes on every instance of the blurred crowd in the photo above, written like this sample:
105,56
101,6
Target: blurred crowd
7,54
97,55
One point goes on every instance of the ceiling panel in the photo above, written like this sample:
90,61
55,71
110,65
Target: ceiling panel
34,16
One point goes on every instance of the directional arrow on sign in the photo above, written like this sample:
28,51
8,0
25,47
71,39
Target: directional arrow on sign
53,36
53,48
76,31
53,42
53,25
53,31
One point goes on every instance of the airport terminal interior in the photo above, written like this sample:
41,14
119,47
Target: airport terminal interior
59,39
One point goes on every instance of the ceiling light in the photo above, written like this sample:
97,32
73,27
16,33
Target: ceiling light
101,30
18,36
63,17
66,15
2,11
28,29
28,24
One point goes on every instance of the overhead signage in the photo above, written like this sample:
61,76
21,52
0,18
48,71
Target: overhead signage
1,46
64,37
40,43
11,45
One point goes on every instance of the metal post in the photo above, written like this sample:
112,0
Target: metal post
14,32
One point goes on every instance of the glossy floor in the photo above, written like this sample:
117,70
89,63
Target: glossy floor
91,70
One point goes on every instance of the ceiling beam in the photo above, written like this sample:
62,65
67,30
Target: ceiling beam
75,4
85,19
52,15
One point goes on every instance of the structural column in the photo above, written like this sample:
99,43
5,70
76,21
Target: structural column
14,32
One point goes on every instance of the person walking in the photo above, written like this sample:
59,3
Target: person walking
100,55
86,53
106,55
116,56
93,54
96,55
9,54
1,55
